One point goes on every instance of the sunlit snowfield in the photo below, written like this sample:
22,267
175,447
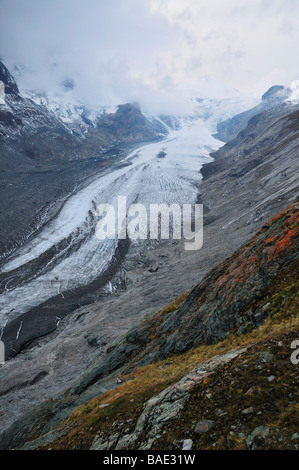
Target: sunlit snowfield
148,179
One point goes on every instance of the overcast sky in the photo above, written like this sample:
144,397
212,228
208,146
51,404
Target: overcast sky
125,50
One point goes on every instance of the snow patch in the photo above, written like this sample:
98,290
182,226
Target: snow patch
2,93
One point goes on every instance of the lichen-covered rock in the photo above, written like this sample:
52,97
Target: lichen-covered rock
165,407
257,436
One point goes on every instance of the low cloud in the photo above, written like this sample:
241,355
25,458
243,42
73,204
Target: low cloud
145,50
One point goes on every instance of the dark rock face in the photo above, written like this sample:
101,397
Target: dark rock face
68,84
224,299
7,119
29,133
10,85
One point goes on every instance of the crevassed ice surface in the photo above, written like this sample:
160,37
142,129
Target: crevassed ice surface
147,180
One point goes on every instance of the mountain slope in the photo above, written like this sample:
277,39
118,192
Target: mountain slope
221,302
240,192
252,297
30,132
255,174
229,129
48,158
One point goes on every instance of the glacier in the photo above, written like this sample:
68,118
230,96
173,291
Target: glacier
142,178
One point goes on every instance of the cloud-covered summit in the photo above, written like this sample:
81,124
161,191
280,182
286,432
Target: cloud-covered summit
142,50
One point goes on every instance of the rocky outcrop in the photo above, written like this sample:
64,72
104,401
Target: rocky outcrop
238,199
224,298
249,181
165,408
28,132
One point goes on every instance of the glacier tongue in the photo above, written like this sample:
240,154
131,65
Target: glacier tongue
146,179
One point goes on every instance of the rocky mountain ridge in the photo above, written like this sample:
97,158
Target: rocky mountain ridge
220,303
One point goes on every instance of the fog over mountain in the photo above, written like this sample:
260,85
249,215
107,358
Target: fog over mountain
149,226
149,50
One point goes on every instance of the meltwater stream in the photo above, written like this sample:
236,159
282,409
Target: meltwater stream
66,254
